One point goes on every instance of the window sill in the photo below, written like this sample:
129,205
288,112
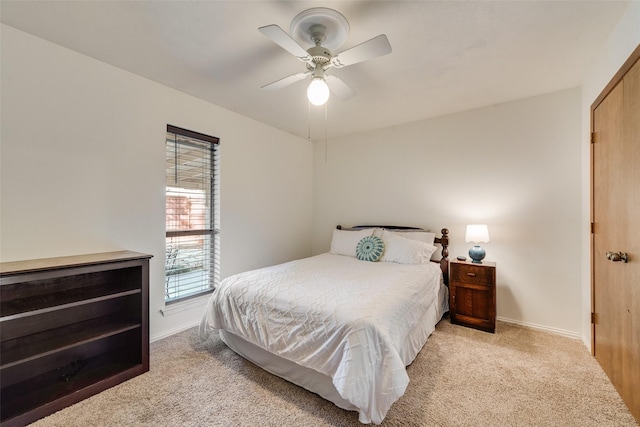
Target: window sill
190,304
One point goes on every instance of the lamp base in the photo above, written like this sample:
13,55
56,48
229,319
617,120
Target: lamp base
477,254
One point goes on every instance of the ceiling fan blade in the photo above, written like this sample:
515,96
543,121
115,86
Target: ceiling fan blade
339,88
372,48
286,81
284,40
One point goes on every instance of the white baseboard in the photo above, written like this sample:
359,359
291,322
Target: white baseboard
166,334
173,309
557,331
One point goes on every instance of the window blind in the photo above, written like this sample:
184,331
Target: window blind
192,263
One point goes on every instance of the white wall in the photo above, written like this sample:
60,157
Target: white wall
515,166
82,168
623,41
82,171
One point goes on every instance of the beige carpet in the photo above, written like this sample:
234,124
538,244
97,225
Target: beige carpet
462,377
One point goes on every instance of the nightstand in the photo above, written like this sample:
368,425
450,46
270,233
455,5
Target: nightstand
472,294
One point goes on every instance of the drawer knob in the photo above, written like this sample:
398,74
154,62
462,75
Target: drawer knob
471,274
617,256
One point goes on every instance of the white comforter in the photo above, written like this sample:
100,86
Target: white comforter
345,318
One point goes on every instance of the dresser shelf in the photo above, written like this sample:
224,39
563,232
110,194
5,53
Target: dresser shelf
70,327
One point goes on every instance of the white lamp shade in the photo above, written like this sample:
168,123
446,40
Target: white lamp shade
318,91
477,233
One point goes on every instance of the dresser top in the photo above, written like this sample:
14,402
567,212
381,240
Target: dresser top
32,265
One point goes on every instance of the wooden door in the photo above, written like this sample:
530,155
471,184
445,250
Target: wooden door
616,219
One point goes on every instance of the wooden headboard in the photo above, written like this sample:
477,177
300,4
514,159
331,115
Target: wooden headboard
442,240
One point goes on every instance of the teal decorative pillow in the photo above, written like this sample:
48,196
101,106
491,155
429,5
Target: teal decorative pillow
370,248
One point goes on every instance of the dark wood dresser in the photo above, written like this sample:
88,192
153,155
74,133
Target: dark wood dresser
472,294
70,327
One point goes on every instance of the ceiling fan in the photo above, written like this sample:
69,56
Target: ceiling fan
324,30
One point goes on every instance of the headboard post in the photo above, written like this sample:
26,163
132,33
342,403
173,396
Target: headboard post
444,241
444,261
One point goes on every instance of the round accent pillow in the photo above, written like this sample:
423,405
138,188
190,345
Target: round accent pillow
370,248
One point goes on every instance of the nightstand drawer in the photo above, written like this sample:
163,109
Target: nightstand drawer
473,274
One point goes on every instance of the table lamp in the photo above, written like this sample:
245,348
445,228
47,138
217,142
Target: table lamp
477,233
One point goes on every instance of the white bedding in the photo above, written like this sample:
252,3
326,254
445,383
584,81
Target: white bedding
353,321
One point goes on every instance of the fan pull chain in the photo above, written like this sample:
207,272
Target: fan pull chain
326,146
308,119
326,124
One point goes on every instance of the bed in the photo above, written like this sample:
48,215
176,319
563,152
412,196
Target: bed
343,324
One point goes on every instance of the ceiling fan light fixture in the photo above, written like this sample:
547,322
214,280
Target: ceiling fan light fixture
325,29
318,91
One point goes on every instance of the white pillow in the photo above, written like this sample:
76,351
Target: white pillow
344,242
405,251
377,232
421,236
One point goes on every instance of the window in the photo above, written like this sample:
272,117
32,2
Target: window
192,214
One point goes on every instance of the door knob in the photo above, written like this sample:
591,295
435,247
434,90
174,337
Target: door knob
617,256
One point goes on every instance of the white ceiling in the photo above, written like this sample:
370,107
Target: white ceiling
447,56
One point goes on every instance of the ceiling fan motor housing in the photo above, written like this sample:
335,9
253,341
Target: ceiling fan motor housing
320,55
